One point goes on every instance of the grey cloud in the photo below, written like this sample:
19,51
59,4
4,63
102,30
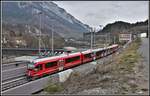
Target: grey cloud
95,13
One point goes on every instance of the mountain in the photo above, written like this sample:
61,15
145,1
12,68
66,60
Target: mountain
112,30
27,15
121,27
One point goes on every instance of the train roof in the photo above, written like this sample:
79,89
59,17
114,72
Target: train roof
63,55
53,57
99,49
114,45
86,51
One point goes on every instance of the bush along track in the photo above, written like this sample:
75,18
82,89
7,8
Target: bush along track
116,77
53,88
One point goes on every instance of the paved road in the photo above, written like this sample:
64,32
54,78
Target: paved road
144,51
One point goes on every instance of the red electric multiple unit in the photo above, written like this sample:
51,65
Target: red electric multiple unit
48,65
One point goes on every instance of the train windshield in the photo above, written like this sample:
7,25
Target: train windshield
31,65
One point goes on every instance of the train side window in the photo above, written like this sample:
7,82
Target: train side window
98,53
88,55
51,64
38,67
68,60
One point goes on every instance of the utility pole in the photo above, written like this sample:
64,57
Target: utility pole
52,41
109,38
114,39
106,35
94,37
40,13
91,39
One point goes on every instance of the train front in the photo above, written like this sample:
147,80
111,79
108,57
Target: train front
30,70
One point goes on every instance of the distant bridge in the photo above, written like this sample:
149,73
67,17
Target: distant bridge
26,51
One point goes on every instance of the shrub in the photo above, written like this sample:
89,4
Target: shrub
53,88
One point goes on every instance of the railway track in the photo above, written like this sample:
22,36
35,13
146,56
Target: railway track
13,83
14,72
13,65
12,78
14,62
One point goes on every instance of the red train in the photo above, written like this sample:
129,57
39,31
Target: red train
45,66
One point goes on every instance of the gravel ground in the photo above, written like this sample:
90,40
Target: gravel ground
143,67
144,51
137,82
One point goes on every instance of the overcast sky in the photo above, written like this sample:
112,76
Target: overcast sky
95,13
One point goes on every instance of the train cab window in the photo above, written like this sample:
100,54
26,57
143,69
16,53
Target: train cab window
51,64
38,67
72,59
30,65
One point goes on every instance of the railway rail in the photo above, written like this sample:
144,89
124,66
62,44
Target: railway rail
11,73
12,65
9,63
13,83
12,78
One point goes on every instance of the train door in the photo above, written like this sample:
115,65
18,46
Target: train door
60,65
93,55
38,71
38,68
105,52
